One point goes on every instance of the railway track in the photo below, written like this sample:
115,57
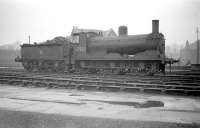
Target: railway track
177,84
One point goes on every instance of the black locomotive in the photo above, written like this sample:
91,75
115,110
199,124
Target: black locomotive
94,52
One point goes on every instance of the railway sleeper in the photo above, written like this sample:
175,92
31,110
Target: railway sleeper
109,88
64,85
192,84
179,87
27,83
153,90
188,87
71,86
15,82
141,85
132,89
89,87
188,82
175,91
53,85
175,83
95,82
4,81
193,92
8,77
74,86
40,84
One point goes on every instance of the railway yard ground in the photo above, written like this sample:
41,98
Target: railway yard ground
57,100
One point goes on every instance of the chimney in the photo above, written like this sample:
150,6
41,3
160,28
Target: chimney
155,26
123,31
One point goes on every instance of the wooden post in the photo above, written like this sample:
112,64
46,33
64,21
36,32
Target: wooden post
29,39
197,45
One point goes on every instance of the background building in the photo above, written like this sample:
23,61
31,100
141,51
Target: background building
188,54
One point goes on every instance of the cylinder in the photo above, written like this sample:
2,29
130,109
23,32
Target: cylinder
155,26
123,31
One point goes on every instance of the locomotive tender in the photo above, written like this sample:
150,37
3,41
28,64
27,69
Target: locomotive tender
96,53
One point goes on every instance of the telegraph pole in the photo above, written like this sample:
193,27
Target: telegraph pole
197,45
29,39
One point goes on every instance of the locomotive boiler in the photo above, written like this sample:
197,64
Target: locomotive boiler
96,53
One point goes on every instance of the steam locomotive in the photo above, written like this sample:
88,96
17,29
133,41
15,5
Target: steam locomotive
94,52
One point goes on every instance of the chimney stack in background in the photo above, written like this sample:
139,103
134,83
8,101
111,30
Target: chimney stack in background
155,26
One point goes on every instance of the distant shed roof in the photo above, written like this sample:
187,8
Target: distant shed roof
104,33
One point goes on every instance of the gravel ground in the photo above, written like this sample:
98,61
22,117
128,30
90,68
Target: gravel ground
16,119
22,107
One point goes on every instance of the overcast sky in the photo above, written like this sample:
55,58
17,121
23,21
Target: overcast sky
46,19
